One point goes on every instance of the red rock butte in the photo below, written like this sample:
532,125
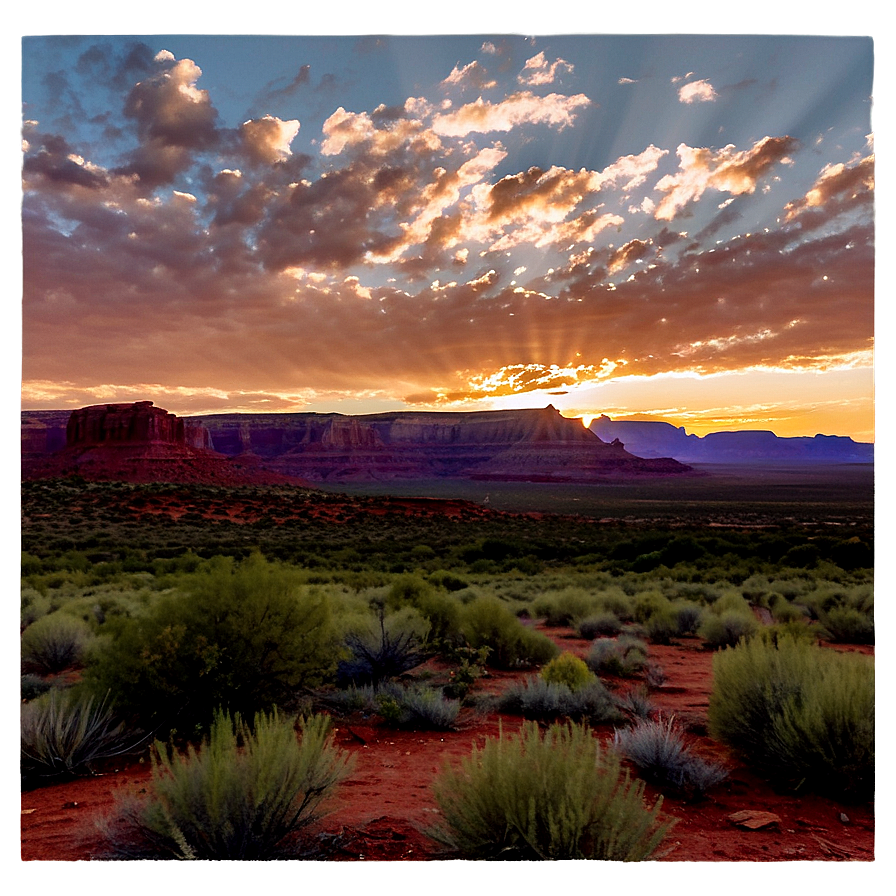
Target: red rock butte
99,424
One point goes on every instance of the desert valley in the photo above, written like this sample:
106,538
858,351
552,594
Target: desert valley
491,548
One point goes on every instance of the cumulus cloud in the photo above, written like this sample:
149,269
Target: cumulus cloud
838,187
267,140
538,71
517,109
725,170
471,76
697,92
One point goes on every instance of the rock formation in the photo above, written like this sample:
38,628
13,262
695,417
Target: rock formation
140,441
538,444
134,442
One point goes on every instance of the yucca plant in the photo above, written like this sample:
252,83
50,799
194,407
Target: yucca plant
556,795
64,733
54,643
246,793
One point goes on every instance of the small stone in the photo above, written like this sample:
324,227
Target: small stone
754,819
844,818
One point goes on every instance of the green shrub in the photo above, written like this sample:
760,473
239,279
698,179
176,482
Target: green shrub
662,626
245,794
623,656
599,624
727,629
564,607
551,796
567,669
54,643
427,708
486,622
647,604
802,715
535,698
688,617
65,734
658,751
243,637
847,625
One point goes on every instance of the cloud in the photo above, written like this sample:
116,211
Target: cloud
538,71
697,92
517,109
839,187
267,140
725,170
471,76
622,257
174,120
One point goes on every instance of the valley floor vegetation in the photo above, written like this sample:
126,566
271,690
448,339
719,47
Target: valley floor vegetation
217,629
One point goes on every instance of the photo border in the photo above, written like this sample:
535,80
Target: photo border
21,18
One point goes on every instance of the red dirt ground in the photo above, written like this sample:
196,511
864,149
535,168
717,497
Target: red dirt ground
385,806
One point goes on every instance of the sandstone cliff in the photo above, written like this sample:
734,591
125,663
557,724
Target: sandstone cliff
141,441
536,444
134,442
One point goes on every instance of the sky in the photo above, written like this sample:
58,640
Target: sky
675,227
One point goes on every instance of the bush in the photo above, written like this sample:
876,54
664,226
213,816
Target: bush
241,637
546,701
567,669
54,643
556,796
660,754
33,686
600,624
688,617
727,629
662,626
564,607
802,715
245,794
624,656
65,734
427,708
384,649
847,625
486,622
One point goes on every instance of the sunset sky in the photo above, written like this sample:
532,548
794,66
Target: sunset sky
669,227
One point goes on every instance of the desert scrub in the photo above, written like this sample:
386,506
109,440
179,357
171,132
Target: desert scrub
599,624
551,796
657,749
239,636
564,607
419,707
487,622
847,625
535,698
384,647
727,628
567,669
624,656
246,793
64,733
54,643
801,715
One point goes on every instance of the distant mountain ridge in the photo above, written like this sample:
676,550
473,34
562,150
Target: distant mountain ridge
649,438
